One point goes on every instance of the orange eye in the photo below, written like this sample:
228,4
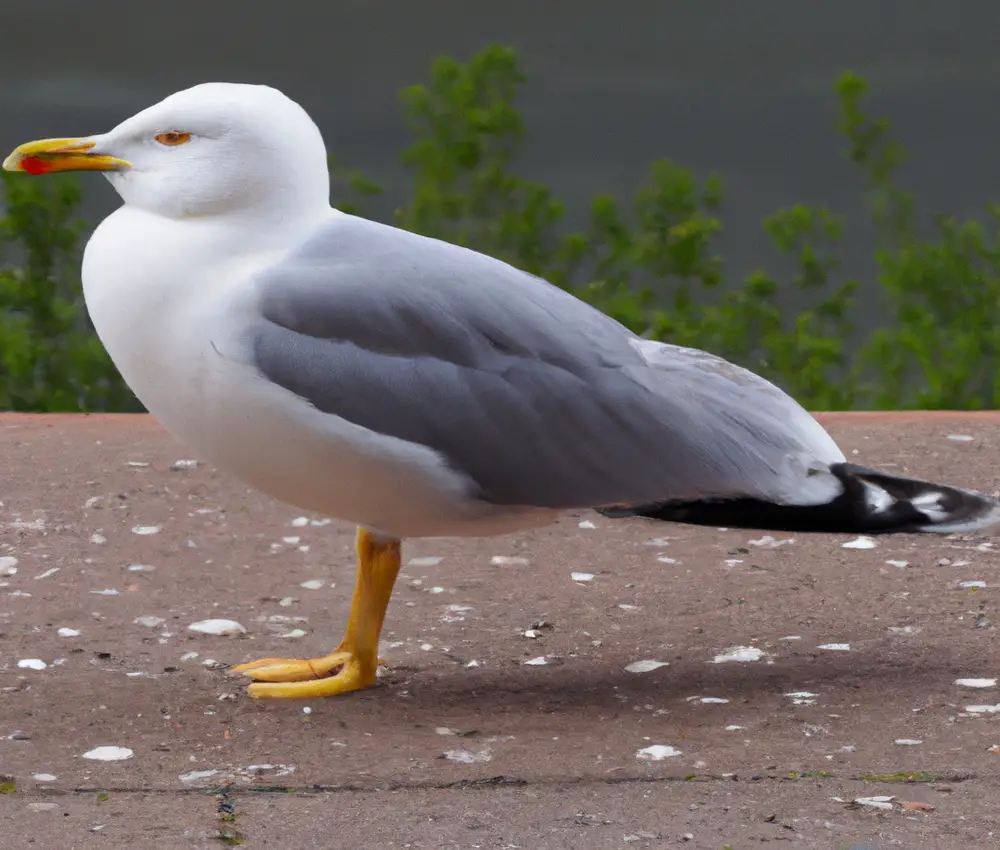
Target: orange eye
173,137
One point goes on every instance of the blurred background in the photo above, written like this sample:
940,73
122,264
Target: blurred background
744,90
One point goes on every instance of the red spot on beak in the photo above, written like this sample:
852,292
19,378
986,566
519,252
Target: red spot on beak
34,165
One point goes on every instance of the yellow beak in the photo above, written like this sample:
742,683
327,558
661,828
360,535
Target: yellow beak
48,155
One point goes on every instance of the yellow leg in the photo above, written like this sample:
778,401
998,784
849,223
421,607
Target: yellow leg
356,659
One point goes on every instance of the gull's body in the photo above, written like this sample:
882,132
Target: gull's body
413,387
180,341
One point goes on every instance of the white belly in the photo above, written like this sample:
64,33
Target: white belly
179,347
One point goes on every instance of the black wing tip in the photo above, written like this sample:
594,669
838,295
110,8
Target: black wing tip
872,502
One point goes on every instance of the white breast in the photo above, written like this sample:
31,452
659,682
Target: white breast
154,289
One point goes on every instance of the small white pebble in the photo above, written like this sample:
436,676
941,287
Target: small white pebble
835,647
657,752
8,565
427,647
65,631
140,568
507,561
880,802
907,742
189,656
196,775
137,464
713,700
734,728
859,543
983,709
286,601
217,627
306,709
98,539
900,564
294,633
49,572
960,438
44,777
666,559
313,584
467,757
739,653
771,542
143,530
472,663
536,662
645,666
32,664
426,561
291,541
975,583
802,697
300,521
587,524
178,465
149,622
435,590
582,577
976,683
109,754
110,591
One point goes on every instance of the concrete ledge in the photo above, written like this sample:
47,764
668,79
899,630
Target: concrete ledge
854,691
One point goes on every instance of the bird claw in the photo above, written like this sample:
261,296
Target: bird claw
353,675
293,670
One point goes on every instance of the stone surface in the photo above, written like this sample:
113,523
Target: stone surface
461,744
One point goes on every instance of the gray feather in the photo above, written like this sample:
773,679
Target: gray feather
538,398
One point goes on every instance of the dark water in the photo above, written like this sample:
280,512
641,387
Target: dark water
743,88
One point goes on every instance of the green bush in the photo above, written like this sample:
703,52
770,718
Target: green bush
648,262
50,358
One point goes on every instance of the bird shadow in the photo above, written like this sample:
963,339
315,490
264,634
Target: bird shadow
605,688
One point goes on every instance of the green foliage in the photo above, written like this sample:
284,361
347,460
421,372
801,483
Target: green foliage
50,359
649,261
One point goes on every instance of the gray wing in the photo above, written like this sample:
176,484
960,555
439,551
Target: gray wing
535,396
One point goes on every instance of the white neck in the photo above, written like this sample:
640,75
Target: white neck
147,280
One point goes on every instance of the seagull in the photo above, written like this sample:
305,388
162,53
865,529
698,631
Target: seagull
413,387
